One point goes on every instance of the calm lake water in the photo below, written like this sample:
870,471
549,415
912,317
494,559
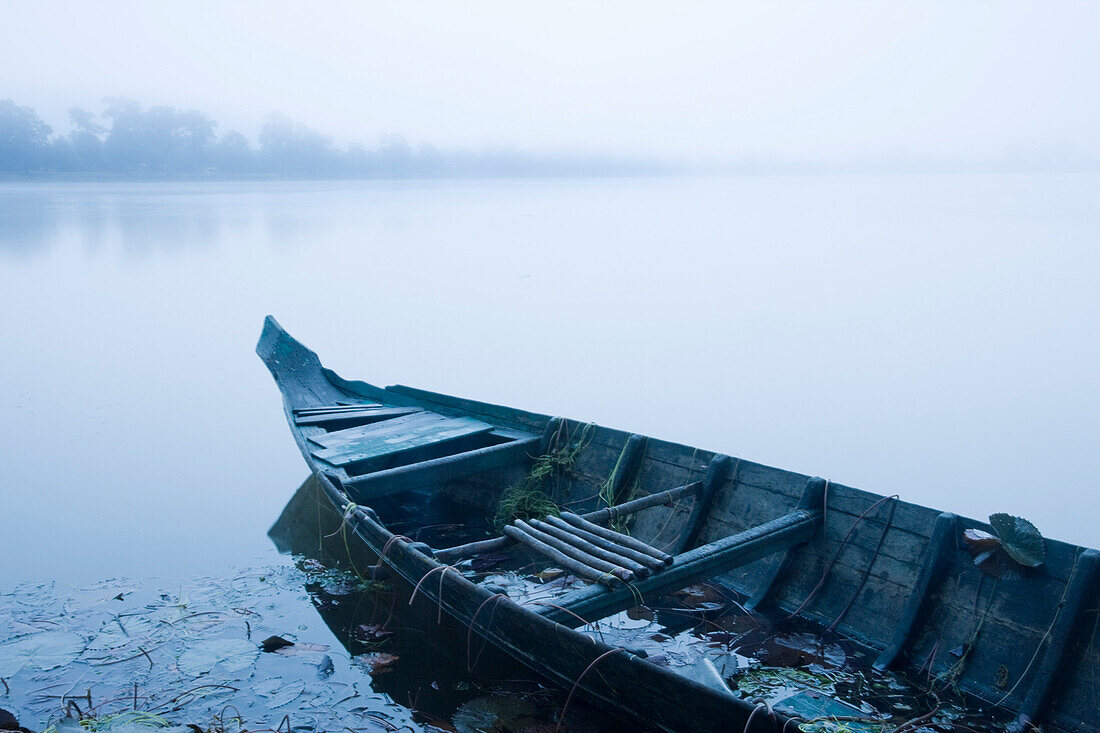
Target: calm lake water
932,336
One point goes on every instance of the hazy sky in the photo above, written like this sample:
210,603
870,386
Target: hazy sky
822,79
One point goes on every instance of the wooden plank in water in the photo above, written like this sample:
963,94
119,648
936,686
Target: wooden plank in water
375,447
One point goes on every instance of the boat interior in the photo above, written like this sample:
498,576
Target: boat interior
640,541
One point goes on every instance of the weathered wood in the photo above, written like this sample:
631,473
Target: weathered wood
578,554
692,566
616,537
642,558
1054,665
549,435
438,471
417,423
600,548
398,422
1015,618
354,419
335,409
812,498
567,563
370,450
626,468
718,472
452,554
608,514
933,565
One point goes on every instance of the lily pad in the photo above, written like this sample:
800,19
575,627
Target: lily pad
225,655
42,651
278,691
494,714
1020,539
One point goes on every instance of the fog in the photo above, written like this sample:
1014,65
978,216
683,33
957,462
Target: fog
791,81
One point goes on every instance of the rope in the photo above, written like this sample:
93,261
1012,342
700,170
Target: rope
568,698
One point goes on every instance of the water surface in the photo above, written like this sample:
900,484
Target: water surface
931,336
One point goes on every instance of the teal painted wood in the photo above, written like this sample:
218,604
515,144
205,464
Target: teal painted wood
691,567
375,447
1013,635
590,559
812,499
626,469
932,569
400,420
718,472
602,516
335,409
1068,621
339,421
549,435
636,562
438,471
623,540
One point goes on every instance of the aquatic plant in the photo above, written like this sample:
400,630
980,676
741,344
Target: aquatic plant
526,499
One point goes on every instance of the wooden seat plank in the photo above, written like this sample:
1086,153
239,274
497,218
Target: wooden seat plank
335,408
401,441
720,556
351,417
399,421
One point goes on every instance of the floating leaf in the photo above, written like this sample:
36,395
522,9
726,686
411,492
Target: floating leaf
1020,539
226,655
377,662
42,651
494,714
122,630
278,691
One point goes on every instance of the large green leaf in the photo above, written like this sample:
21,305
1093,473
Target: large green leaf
1020,539
44,650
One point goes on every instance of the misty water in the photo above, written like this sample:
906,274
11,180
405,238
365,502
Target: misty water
931,336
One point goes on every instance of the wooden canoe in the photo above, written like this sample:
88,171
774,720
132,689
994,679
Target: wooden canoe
892,576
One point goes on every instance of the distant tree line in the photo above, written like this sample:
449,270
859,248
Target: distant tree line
127,140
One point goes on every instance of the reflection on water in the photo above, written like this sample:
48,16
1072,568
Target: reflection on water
933,336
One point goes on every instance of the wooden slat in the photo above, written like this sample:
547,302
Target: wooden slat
355,420
717,473
1068,624
393,426
593,546
401,417
616,537
626,468
439,470
336,408
352,417
932,569
574,566
588,558
813,494
602,516
400,442
690,567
